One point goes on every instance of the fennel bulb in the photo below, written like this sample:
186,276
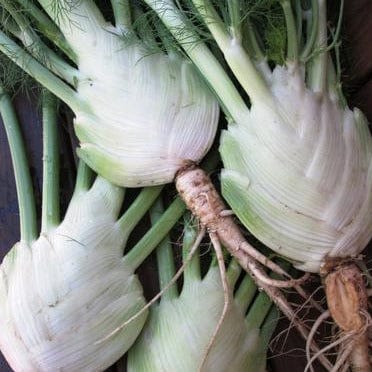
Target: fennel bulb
179,334
298,173
66,290
297,161
120,137
140,116
63,292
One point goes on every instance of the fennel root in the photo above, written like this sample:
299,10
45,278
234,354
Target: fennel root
201,197
348,304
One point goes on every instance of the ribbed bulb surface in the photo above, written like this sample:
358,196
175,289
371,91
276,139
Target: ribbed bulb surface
299,173
65,292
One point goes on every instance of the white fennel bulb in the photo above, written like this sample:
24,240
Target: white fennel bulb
178,332
298,169
140,116
182,334
298,173
147,114
297,161
66,291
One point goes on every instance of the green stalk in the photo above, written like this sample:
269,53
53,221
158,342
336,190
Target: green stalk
258,310
202,57
84,178
298,20
333,77
69,16
268,327
235,18
138,208
37,48
214,22
48,58
41,74
251,43
190,234
334,71
245,293
161,228
292,36
48,28
156,234
233,272
122,13
164,255
312,30
50,199
318,66
262,304
336,35
26,200
236,57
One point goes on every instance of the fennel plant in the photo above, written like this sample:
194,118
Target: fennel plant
64,291
140,115
297,161
142,118
184,333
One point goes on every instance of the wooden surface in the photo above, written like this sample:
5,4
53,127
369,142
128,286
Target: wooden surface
357,32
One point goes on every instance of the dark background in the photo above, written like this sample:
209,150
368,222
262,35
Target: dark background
287,353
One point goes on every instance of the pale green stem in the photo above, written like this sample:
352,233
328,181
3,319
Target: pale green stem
333,77
78,17
41,74
48,28
268,327
192,270
50,60
336,35
37,48
236,57
292,46
298,18
202,57
245,293
122,13
251,41
235,18
50,199
164,255
233,272
26,200
138,208
312,30
258,311
155,235
334,72
318,66
84,178
214,22
262,304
